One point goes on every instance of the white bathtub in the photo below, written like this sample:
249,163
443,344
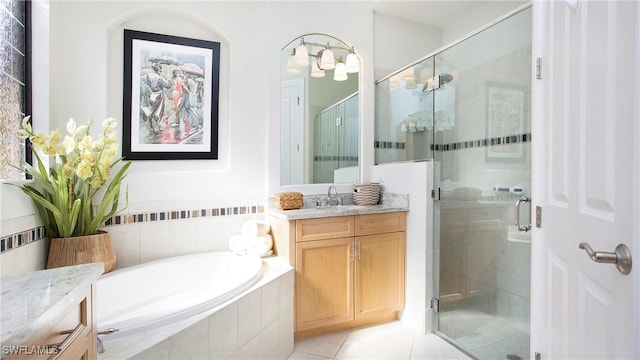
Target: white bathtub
146,296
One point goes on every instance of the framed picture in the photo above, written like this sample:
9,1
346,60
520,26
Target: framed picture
171,89
505,122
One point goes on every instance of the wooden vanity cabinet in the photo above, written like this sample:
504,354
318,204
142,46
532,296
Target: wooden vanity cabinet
350,270
71,338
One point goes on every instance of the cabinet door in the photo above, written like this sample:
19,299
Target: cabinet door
380,272
324,283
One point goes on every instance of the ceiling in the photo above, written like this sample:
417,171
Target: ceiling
436,13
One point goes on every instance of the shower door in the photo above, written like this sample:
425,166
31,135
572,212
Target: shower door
482,149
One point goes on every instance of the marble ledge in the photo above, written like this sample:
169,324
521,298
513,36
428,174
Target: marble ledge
36,299
390,202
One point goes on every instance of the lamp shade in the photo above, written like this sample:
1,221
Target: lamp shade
393,81
327,62
315,70
292,66
340,73
407,74
353,64
302,55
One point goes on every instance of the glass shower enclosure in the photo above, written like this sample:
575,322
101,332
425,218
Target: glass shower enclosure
467,108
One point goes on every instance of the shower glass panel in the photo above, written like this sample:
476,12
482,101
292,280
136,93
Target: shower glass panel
483,149
467,107
335,142
404,115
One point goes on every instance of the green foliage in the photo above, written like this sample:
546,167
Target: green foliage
79,168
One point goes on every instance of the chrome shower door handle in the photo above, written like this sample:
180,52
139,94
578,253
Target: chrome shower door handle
621,257
523,199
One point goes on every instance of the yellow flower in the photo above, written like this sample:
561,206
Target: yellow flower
38,139
84,170
52,149
86,144
69,168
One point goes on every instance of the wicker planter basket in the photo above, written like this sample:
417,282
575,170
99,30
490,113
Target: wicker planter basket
288,200
82,250
366,193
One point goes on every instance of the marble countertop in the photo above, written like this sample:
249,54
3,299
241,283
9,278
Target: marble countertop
34,300
389,203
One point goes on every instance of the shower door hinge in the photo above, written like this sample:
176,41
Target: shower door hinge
432,84
538,216
435,305
435,194
537,356
538,68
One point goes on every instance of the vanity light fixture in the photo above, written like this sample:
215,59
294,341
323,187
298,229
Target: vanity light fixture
302,54
316,71
327,61
340,73
324,59
292,65
353,63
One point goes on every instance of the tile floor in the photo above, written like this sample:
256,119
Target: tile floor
387,341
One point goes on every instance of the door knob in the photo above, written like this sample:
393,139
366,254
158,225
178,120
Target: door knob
621,256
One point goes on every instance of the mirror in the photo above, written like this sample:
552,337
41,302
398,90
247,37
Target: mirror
319,125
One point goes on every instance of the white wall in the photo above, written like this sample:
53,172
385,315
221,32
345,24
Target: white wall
478,18
400,42
80,76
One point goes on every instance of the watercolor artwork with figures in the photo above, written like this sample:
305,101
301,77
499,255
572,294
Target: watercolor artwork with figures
171,97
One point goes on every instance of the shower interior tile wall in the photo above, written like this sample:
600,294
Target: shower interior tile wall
468,166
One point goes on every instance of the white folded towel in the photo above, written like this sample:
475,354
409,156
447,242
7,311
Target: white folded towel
239,244
255,245
255,228
261,245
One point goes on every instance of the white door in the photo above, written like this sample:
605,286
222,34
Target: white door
585,178
292,132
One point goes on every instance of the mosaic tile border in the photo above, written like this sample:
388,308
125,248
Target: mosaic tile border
388,145
184,214
16,240
504,140
335,158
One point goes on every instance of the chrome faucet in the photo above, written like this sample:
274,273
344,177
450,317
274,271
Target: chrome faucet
332,196
100,345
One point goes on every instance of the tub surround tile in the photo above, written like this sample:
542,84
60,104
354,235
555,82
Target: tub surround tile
32,300
249,319
269,341
285,329
191,343
17,237
224,326
223,332
270,303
